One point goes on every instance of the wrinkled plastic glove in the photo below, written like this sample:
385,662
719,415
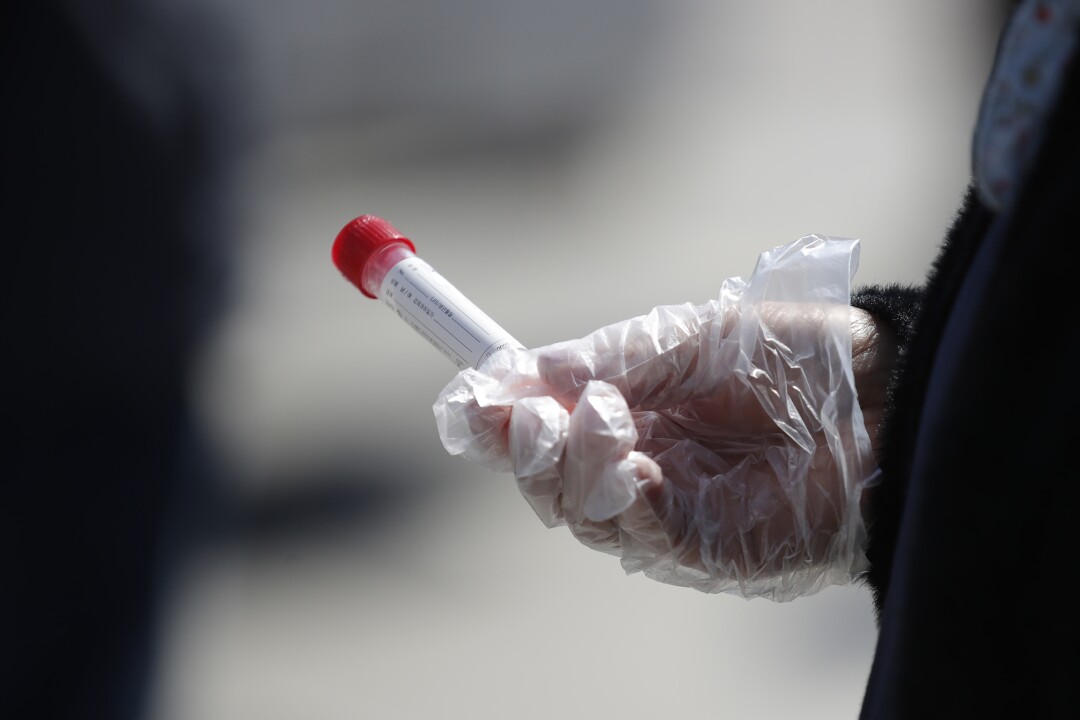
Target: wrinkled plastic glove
718,446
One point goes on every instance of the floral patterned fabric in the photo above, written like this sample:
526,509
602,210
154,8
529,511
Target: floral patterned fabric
1037,45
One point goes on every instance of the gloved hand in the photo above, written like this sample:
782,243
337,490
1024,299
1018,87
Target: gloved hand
719,446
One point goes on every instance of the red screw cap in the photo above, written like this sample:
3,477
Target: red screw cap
358,241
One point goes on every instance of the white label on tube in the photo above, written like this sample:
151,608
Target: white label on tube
439,312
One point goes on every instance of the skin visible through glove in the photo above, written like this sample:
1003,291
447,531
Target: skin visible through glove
727,526
683,436
646,446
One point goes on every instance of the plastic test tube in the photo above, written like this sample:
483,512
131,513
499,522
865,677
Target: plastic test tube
382,262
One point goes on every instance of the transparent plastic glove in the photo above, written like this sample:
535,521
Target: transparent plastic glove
718,446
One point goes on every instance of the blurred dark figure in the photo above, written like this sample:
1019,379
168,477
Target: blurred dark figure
112,211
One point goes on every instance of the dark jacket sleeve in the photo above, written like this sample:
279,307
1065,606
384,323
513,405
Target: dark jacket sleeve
915,315
972,530
897,305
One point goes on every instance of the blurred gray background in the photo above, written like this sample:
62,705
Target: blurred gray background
566,165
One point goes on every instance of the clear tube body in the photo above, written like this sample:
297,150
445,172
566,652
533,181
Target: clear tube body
433,307
379,264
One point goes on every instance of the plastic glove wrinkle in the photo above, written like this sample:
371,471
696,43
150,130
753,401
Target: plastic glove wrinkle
717,446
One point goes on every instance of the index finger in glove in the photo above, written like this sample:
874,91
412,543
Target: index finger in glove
614,498
472,412
598,480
